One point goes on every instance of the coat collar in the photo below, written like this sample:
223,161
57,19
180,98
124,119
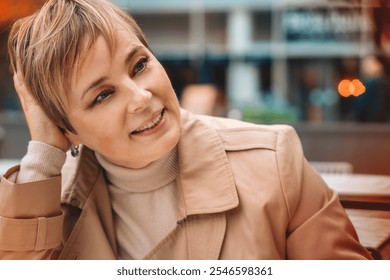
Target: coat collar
79,177
205,178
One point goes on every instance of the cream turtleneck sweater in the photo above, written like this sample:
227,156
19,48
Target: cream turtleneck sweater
144,201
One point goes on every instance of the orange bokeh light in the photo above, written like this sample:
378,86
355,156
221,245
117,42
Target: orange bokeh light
347,88
13,9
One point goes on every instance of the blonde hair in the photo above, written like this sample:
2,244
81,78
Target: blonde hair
46,47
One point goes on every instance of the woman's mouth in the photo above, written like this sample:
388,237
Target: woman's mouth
152,124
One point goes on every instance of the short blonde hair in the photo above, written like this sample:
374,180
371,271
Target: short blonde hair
47,46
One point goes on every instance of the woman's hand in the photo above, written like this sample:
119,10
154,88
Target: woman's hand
41,127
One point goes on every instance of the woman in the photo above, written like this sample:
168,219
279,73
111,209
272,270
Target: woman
147,180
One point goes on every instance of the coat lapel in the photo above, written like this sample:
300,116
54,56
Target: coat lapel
205,235
89,232
207,188
196,238
205,178
206,191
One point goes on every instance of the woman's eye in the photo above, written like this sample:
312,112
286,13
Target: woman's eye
102,96
141,65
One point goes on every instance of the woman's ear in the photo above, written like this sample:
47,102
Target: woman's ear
72,138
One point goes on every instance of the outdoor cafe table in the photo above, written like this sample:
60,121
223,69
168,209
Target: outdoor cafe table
366,199
361,190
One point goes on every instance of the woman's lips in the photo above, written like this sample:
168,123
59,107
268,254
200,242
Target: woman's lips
153,123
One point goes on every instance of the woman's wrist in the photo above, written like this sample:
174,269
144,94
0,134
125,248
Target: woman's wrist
42,161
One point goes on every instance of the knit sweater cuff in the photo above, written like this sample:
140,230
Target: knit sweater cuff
42,161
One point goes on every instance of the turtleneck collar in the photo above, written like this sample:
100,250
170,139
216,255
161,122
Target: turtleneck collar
152,177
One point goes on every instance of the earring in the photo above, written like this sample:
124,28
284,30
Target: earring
74,150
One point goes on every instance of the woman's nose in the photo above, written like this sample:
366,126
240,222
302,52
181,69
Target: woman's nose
139,100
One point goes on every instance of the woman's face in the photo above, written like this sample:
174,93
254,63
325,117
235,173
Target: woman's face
122,104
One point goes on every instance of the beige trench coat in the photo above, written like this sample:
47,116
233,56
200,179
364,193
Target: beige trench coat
246,192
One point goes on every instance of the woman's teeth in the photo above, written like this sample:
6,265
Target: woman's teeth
150,125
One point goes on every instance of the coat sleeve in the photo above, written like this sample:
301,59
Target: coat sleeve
319,227
31,220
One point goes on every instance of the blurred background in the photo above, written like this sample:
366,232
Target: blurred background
319,65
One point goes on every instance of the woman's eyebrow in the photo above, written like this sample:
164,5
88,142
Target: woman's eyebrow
132,53
92,85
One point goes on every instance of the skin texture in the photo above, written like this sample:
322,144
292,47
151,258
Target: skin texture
111,96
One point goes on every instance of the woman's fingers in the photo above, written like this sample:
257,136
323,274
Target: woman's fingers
19,85
24,95
41,127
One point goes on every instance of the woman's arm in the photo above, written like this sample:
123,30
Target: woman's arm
319,227
30,218
42,161
30,215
